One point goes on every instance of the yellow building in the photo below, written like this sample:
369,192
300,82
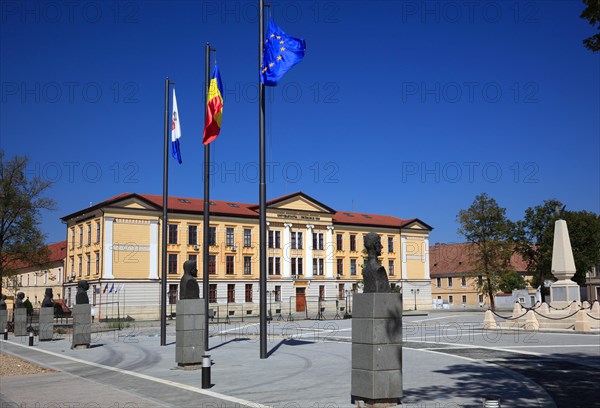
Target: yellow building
33,280
314,254
455,279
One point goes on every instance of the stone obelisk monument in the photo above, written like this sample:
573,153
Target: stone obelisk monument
564,291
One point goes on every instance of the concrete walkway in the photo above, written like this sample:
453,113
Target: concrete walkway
309,366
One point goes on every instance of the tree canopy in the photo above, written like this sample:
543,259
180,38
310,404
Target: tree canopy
21,201
592,14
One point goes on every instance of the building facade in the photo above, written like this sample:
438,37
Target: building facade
455,279
315,254
33,280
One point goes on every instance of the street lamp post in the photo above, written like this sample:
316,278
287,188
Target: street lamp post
415,291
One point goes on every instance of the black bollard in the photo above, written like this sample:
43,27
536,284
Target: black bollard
206,371
30,338
5,334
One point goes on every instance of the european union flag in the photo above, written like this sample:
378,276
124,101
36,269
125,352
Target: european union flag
281,53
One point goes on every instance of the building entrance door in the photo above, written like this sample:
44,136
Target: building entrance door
300,299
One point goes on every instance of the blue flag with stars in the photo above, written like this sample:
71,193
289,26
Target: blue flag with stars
281,53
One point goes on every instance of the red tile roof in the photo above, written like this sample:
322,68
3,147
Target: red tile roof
457,259
230,208
58,252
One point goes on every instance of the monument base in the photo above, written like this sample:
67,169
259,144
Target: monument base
46,323
189,332
3,321
82,326
377,349
20,322
563,293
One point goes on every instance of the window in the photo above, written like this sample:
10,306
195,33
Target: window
341,291
212,293
352,242
229,267
212,236
88,265
296,239
229,237
247,265
464,299
72,267
81,235
172,264
212,264
317,240
463,281
317,266
339,242
193,257
231,293
438,282
391,267
352,266
449,282
480,280
450,299
340,267
247,238
321,292
480,298
277,293
277,265
390,244
72,238
97,232
97,270
79,268
192,235
89,234
296,266
172,294
248,293
274,239
172,234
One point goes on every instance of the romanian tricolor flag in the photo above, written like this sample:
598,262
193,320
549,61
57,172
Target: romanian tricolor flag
214,108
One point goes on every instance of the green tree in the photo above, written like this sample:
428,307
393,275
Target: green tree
512,280
592,14
21,201
584,233
484,224
534,236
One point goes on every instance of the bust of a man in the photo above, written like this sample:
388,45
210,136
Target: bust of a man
19,302
3,302
374,275
48,295
82,298
188,286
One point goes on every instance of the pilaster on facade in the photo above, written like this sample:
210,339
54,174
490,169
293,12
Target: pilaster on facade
426,256
329,252
287,262
108,249
308,258
153,267
404,272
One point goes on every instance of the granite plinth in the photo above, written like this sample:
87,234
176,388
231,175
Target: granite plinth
563,293
3,320
82,326
20,323
377,348
189,332
46,323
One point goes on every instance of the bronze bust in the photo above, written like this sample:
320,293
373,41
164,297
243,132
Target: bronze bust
374,275
188,286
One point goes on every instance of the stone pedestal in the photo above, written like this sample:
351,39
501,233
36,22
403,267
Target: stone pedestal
377,348
20,323
563,293
82,326
46,323
3,321
189,331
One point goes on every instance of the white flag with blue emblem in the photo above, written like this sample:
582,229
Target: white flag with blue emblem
175,131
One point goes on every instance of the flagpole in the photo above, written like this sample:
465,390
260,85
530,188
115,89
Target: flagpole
206,208
163,280
262,192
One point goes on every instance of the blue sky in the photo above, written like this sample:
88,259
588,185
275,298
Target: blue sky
404,108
